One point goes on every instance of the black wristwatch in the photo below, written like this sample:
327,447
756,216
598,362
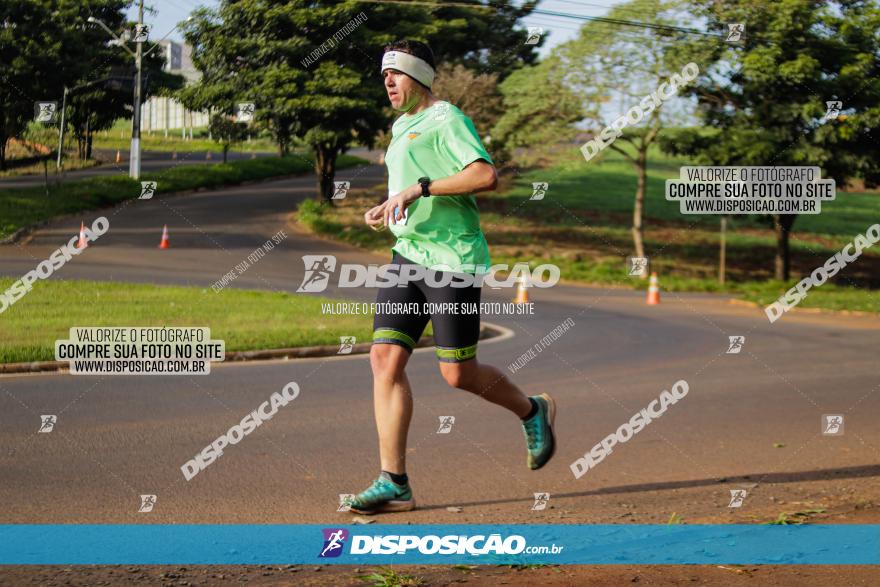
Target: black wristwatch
425,182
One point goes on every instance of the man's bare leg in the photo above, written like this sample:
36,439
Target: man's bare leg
392,403
489,383
393,406
537,413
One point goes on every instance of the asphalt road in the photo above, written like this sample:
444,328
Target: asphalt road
150,161
750,420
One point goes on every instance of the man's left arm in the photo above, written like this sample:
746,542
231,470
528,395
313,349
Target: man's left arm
478,176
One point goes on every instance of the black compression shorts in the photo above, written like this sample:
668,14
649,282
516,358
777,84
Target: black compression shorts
401,317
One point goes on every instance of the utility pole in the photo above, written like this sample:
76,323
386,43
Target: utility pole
134,166
134,163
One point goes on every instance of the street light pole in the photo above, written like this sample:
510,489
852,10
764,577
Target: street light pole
134,166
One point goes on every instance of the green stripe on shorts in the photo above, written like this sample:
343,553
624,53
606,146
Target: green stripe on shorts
456,355
387,335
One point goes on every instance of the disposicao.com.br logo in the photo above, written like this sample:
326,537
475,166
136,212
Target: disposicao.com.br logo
451,544
320,268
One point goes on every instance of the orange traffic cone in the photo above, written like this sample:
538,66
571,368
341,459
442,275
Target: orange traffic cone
164,244
522,290
653,290
83,241
118,156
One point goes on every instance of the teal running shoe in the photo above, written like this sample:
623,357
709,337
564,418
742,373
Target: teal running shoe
384,495
540,438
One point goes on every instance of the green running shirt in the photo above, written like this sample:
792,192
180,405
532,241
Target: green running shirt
440,230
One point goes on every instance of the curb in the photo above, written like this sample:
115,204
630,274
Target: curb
487,332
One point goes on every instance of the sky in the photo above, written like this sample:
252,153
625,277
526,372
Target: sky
168,13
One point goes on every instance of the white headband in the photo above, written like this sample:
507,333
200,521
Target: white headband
416,68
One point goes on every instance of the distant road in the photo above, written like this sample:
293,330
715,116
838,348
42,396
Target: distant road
150,161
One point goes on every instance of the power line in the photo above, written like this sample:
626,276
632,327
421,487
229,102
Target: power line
622,22
551,26
434,4
587,4
539,11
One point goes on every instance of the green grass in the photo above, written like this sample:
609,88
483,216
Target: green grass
19,208
607,186
119,137
597,201
245,320
38,169
319,217
829,296
388,577
796,518
583,226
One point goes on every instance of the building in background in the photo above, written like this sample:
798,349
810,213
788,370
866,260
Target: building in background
167,114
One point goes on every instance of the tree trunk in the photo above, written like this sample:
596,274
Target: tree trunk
782,224
3,140
639,206
225,151
282,136
89,144
325,167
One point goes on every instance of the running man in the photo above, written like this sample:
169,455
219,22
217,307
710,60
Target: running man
436,163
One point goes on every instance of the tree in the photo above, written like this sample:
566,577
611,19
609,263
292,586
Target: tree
475,94
36,138
29,48
538,109
611,60
766,99
312,68
42,36
92,109
227,131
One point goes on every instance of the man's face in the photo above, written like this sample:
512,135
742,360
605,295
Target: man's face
403,91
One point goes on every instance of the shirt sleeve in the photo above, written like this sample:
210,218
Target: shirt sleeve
461,143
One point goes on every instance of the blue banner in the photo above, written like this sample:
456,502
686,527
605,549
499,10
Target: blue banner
145,544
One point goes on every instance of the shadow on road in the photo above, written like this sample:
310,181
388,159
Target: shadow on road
793,477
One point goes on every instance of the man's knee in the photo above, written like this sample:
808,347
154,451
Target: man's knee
460,375
388,361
